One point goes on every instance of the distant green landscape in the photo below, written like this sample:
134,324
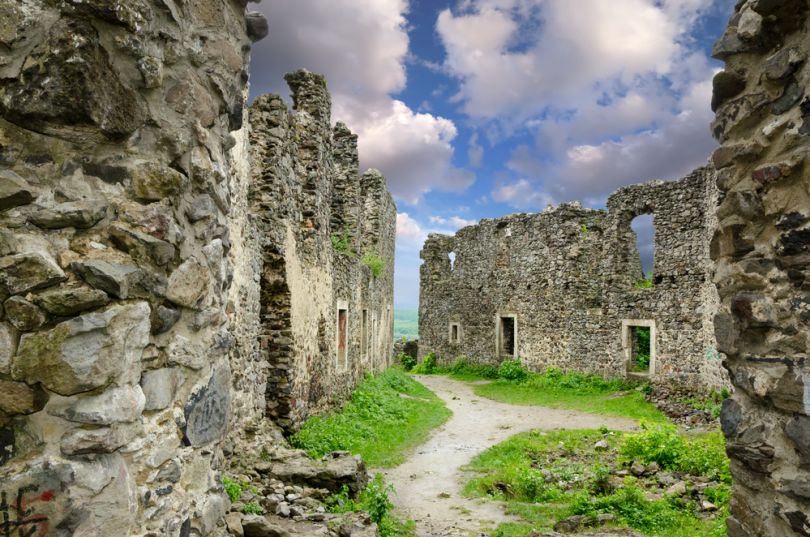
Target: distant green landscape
406,323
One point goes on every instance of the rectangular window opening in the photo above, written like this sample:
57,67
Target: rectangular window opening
455,333
343,335
364,333
507,331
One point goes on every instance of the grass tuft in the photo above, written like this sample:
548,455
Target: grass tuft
387,416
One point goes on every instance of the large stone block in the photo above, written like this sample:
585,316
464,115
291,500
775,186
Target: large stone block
208,410
14,190
68,80
116,405
78,214
69,300
26,272
188,283
8,347
87,352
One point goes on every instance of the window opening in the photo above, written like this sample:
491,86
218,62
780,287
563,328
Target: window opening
452,257
343,335
455,333
643,256
507,335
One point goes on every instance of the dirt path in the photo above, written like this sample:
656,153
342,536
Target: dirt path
429,484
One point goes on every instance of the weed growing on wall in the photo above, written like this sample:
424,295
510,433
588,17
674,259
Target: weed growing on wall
645,283
377,422
342,243
375,262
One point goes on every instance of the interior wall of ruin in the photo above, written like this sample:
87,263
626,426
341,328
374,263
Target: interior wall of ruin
319,220
762,251
117,172
568,275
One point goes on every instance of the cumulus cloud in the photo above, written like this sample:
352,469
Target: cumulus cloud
523,195
613,92
362,48
455,222
408,229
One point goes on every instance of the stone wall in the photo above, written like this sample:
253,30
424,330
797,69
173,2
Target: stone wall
321,223
160,299
115,191
762,251
568,277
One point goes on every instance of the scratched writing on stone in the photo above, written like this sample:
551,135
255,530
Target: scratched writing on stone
18,516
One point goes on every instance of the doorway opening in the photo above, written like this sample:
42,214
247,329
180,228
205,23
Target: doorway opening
638,340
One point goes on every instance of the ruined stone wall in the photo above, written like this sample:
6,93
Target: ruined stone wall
116,182
568,277
318,218
762,251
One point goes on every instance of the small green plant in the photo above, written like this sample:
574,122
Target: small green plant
342,502
253,508
374,499
375,262
406,361
342,243
427,366
512,370
232,488
645,283
584,229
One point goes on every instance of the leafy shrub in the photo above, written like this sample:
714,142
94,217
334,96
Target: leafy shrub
427,366
253,508
375,262
600,481
232,488
630,506
374,499
705,455
661,444
512,370
554,379
406,361
463,368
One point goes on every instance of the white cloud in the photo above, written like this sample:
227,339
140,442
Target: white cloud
475,151
362,48
455,222
409,229
613,92
523,195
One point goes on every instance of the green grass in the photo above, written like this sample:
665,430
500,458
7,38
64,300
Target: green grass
545,477
629,404
555,389
377,423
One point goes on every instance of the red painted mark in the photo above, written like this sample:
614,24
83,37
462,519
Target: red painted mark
47,496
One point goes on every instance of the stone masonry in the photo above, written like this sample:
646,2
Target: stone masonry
564,280
309,193
762,251
158,297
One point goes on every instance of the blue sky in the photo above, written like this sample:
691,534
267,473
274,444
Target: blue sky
481,108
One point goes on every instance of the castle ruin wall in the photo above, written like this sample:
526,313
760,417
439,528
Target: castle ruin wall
567,277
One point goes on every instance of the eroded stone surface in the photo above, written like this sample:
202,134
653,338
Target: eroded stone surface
761,256
86,352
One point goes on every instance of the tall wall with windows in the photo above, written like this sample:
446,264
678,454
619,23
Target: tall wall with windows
324,239
563,288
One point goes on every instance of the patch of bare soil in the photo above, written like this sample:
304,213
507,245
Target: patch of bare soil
429,484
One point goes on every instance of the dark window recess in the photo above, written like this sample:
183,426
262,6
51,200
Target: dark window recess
507,336
343,334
